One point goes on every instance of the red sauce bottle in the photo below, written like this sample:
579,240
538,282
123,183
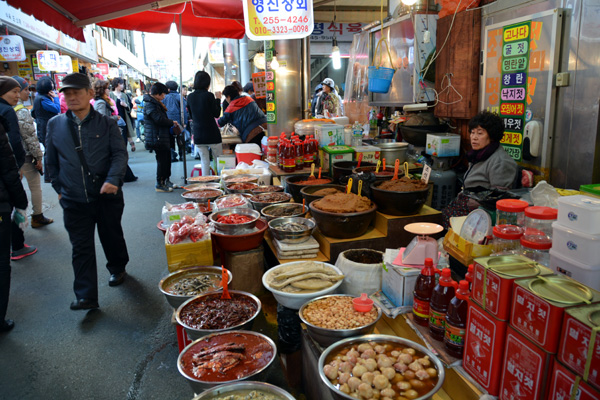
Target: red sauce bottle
280,148
469,275
422,294
456,321
289,157
299,154
315,150
308,153
440,299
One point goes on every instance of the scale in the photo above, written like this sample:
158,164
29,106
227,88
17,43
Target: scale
476,227
422,246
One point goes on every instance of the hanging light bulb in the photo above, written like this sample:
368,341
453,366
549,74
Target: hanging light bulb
274,63
335,55
409,2
259,60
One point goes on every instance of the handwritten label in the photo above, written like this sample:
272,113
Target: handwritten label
278,19
259,81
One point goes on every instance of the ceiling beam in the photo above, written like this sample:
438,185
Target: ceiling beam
129,11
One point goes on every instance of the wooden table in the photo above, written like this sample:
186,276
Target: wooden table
276,171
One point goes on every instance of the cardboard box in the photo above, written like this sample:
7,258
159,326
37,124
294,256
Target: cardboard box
225,161
526,369
398,283
331,154
564,382
189,254
443,144
484,348
370,154
576,343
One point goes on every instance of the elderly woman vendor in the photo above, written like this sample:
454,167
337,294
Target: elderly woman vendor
490,167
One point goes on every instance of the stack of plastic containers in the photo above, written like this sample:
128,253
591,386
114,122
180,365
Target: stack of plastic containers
537,236
576,239
510,219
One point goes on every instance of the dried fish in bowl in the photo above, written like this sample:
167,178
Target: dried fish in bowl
292,227
195,285
305,277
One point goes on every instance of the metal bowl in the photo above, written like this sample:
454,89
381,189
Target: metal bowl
243,241
234,229
176,300
339,395
267,189
326,337
245,385
233,191
199,385
259,205
202,185
308,191
246,204
266,212
232,178
343,225
291,237
199,333
296,300
192,195
398,203
204,179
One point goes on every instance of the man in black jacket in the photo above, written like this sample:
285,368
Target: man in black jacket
86,160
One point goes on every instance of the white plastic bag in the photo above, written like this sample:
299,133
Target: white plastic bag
545,195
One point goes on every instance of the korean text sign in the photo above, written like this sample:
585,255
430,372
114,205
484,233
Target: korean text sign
278,19
12,48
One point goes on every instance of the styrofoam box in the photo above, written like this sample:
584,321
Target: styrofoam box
443,144
329,134
578,246
588,275
579,212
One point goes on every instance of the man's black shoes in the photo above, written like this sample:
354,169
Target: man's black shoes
7,325
84,304
116,279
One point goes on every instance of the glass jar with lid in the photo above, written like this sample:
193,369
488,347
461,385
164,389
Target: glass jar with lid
537,248
540,219
511,212
506,239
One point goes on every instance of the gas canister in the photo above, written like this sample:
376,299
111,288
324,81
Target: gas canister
493,279
539,305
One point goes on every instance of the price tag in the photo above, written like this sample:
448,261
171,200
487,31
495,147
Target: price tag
278,19
426,173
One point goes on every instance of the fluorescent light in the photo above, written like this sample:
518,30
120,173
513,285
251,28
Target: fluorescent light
335,55
274,63
409,2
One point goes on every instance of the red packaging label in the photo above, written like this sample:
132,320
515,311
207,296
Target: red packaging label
531,317
562,385
421,308
289,162
484,348
492,288
454,336
574,347
524,368
437,318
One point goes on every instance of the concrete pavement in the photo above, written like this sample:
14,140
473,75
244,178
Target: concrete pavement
125,350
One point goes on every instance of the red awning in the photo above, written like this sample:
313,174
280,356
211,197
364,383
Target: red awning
200,18
209,18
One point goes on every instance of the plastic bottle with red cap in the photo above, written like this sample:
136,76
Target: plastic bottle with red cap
422,294
438,307
511,212
540,219
456,321
469,275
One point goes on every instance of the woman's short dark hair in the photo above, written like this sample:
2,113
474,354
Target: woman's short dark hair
201,80
489,121
231,91
116,82
158,88
238,86
100,87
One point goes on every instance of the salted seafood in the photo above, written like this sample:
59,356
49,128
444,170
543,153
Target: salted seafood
195,285
304,277
218,359
292,227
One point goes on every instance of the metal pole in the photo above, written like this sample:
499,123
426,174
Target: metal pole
181,105
244,63
306,78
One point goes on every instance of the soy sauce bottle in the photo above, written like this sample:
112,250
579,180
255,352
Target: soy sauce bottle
422,294
456,321
440,299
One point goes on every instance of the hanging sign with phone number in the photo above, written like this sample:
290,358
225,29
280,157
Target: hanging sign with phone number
278,19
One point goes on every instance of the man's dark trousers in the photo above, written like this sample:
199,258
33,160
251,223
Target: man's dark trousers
80,221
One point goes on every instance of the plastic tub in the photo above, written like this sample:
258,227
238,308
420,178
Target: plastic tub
563,264
537,248
506,239
380,79
511,212
580,212
540,219
578,246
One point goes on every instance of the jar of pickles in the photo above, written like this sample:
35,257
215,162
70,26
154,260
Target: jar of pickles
538,220
506,239
511,212
537,248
